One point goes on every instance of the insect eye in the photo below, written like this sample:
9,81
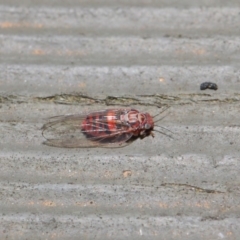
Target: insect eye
147,126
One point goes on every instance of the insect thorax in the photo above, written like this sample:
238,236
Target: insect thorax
133,118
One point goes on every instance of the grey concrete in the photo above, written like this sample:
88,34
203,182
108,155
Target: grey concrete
61,58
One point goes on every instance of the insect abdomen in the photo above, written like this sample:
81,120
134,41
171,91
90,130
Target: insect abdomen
102,124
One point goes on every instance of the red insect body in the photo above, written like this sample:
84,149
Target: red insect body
107,128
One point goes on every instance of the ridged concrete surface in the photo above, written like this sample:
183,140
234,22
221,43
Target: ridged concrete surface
74,56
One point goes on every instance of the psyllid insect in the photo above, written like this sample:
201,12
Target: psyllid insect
106,128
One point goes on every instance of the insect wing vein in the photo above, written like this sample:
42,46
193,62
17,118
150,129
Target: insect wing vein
67,131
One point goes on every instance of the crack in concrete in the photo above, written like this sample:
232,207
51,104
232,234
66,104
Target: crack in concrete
145,100
194,188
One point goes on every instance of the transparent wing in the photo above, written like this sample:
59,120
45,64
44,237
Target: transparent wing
66,131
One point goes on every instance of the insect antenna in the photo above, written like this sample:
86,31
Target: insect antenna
163,133
161,113
158,120
166,108
163,128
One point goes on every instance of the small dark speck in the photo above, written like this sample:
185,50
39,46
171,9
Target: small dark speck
208,85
